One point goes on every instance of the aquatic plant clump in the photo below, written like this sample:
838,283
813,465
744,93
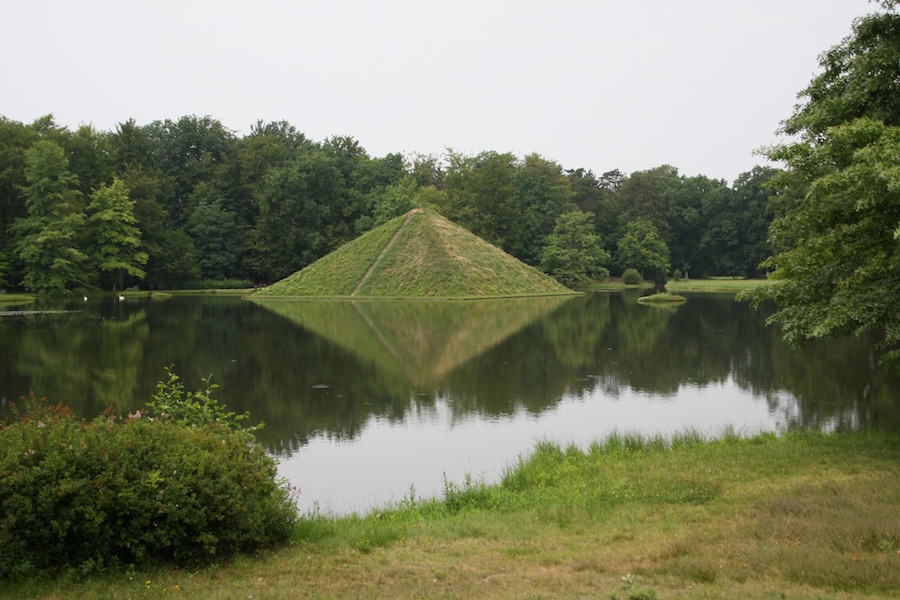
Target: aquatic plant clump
144,489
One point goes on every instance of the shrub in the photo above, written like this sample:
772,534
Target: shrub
145,489
631,277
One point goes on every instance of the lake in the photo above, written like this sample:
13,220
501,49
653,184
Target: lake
368,402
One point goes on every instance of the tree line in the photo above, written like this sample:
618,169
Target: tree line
172,204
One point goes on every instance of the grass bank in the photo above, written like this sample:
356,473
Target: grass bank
15,298
798,516
615,284
198,292
714,284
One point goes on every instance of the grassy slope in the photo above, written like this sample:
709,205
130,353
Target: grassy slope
338,273
803,516
431,258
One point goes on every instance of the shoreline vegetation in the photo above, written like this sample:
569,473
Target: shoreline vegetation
664,298
715,285
16,298
800,515
613,284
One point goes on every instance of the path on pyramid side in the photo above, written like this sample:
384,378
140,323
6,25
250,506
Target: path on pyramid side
385,250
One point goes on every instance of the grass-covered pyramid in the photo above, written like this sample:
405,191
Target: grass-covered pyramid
418,255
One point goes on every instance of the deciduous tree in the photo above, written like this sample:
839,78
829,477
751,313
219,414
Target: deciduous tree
573,253
836,232
49,239
113,227
642,248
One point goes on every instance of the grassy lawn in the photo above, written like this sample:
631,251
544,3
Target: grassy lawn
614,284
714,284
15,298
798,516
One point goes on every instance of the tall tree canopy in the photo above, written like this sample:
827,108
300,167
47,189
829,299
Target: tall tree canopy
836,231
48,239
208,204
113,225
642,248
573,253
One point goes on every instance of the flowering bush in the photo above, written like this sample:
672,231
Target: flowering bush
143,489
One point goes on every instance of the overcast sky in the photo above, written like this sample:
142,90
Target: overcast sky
627,84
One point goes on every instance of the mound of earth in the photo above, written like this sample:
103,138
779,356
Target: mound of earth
418,255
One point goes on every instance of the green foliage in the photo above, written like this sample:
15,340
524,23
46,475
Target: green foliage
395,200
217,241
210,205
480,196
858,79
193,408
631,277
642,248
468,495
142,490
114,227
219,284
573,254
835,232
735,238
49,240
298,204
837,258
544,195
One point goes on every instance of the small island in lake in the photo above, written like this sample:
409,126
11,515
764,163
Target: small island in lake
662,298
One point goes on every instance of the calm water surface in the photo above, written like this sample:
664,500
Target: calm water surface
365,401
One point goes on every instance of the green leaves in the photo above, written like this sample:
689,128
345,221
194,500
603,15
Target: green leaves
837,257
114,229
835,233
49,239
193,409
573,254
642,248
138,490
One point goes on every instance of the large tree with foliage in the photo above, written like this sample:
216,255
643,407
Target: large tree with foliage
642,248
480,197
543,194
573,253
734,239
298,204
836,231
113,226
49,240
217,239
15,139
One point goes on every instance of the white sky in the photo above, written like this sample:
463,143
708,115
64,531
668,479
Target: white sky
627,84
